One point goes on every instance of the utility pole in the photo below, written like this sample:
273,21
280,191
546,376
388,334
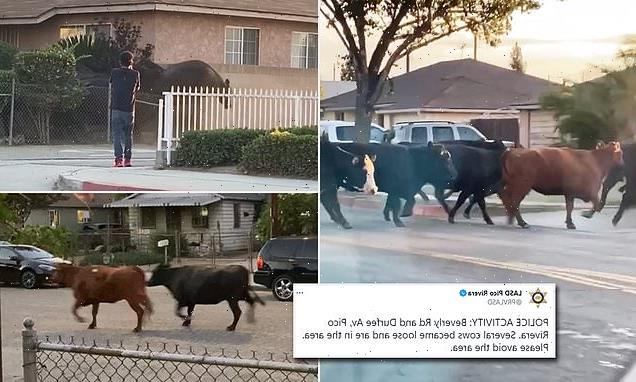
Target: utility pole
408,61
273,215
475,46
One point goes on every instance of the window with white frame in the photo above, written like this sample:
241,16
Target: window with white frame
93,30
241,46
304,50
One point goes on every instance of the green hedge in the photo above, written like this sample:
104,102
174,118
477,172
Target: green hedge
282,154
214,147
294,155
124,258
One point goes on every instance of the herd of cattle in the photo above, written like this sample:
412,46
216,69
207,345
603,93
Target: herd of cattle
190,286
475,169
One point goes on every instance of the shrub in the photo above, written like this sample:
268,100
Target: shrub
214,147
58,241
282,153
297,215
124,258
7,55
303,130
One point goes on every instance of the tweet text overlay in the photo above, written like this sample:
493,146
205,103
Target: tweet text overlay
482,320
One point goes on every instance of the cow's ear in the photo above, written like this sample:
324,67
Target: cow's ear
373,157
600,144
355,161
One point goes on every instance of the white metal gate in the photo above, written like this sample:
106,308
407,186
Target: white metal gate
195,109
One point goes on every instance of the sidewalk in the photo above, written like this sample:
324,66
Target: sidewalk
151,179
89,168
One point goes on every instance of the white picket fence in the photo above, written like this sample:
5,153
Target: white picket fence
195,109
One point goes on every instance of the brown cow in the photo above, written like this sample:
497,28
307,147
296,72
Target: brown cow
93,285
556,171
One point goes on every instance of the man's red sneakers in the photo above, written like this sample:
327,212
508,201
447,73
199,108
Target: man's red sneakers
118,162
127,163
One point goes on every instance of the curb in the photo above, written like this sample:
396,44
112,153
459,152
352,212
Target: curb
66,183
433,209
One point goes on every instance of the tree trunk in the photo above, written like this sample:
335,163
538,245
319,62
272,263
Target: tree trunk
364,110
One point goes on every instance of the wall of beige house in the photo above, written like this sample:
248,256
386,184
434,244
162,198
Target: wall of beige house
202,37
41,35
180,37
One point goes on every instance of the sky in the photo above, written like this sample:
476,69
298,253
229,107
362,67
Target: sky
563,40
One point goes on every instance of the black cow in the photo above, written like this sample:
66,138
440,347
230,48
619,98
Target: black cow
401,171
192,285
496,146
478,165
340,168
628,172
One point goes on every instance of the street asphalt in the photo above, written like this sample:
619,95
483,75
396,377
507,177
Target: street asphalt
594,268
50,309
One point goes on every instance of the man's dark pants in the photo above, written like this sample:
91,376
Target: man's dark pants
121,123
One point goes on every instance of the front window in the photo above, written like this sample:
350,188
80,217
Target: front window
468,134
442,133
83,216
419,134
304,50
241,46
237,215
377,135
148,218
102,31
6,254
200,217
32,253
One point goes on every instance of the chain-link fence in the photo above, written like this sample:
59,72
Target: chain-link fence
34,114
41,115
120,246
77,359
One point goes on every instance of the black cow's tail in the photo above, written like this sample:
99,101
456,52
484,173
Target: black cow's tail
251,297
254,296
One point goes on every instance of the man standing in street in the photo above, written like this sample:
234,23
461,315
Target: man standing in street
125,85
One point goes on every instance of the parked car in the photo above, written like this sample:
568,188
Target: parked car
284,261
26,265
343,132
97,227
437,131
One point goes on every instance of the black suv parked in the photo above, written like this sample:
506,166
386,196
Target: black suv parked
284,261
27,265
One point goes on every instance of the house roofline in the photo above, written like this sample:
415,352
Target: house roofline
156,7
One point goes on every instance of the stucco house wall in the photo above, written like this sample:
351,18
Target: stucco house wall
180,37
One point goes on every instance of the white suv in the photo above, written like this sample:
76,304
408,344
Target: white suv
437,131
343,132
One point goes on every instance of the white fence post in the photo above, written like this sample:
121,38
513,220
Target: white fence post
29,347
160,125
